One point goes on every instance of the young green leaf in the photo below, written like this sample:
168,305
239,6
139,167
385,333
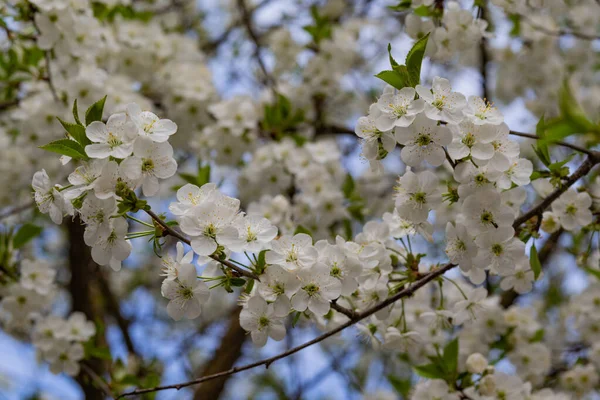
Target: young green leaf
430,371
451,356
348,186
402,386
26,233
402,6
414,60
66,147
541,148
76,131
392,78
76,113
94,112
534,262
301,229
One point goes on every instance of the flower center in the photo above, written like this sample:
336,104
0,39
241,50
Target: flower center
263,322
186,292
468,140
147,165
113,141
211,231
311,289
487,218
497,249
571,209
423,139
398,110
420,198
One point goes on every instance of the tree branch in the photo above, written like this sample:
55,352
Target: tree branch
113,307
564,144
247,21
17,210
170,231
559,32
409,291
583,169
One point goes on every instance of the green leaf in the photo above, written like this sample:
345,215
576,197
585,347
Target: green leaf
76,113
451,356
430,371
249,286
237,282
302,229
392,78
516,28
414,60
348,186
261,262
538,336
204,175
541,148
66,147
534,262
539,174
423,11
402,6
94,112
558,166
393,62
296,318
593,272
27,232
76,131
91,351
402,386
189,178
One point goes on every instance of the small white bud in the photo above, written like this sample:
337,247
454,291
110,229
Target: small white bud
487,385
476,363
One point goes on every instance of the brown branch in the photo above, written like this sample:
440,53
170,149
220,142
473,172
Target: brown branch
170,231
214,44
17,210
8,104
102,385
409,291
559,32
113,307
510,296
224,358
564,144
342,130
85,297
583,169
247,22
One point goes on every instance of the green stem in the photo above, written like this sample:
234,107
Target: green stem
139,221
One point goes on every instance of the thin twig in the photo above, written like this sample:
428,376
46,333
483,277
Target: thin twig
559,32
564,144
7,104
48,68
17,210
247,21
583,169
409,291
98,380
185,240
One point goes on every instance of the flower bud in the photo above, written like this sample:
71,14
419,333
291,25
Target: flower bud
487,385
476,363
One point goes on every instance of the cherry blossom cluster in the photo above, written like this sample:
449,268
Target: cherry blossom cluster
129,151
458,33
312,173
545,25
26,308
